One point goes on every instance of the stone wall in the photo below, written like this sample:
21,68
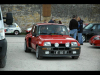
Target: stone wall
27,14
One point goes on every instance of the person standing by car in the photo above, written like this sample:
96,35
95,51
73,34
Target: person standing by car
73,26
80,30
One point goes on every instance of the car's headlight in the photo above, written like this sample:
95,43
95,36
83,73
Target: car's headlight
96,38
73,44
2,34
47,43
56,44
67,44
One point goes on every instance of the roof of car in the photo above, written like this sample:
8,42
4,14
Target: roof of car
48,24
94,23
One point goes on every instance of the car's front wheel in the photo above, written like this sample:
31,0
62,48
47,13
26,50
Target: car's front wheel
37,53
83,38
16,32
26,48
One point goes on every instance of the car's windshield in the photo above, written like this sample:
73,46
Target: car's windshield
53,30
88,26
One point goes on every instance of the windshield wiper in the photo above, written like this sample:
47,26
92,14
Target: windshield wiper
55,34
43,33
59,34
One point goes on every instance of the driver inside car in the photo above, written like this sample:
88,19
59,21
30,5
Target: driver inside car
43,29
59,31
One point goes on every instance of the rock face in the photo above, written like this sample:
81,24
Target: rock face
27,14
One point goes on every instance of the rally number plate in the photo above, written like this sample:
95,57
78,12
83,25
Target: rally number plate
60,52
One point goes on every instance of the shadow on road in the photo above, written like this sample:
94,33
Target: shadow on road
93,47
9,35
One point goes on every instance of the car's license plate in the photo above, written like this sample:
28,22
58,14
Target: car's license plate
60,52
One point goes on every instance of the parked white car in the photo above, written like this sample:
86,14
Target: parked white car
12,29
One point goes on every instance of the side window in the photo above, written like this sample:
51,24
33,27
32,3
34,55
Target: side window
94,27
35,30
13,25
5,25
98,27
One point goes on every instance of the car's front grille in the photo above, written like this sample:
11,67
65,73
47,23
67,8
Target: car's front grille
61,47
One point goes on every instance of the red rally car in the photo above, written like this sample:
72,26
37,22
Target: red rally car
95,40
51,40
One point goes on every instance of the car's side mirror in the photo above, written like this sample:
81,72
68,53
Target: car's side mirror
9,19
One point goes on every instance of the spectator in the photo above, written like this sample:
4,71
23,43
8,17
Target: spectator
80,30
45,21
54,21
51,21
59,30
73,26
59,22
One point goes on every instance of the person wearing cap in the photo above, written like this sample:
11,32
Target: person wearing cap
73,26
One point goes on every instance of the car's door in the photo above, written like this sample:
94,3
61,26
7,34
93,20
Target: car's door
93,31
98,29
34,38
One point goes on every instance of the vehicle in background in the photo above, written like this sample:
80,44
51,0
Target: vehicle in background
51,40
14,28
28,30
95,40
90,30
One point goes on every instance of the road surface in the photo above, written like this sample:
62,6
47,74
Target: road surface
18,60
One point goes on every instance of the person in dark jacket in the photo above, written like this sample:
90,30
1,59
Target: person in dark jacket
80,30
73,26
51,21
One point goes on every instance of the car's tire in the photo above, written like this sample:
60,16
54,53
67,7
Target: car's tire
16,32
75,57
83,38
37,53
3,62
26,48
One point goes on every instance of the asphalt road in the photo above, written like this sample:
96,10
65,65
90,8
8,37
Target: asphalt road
18,60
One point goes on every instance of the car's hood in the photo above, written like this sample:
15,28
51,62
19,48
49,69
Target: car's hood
97,36
57,38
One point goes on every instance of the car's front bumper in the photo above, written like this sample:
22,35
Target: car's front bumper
59,52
